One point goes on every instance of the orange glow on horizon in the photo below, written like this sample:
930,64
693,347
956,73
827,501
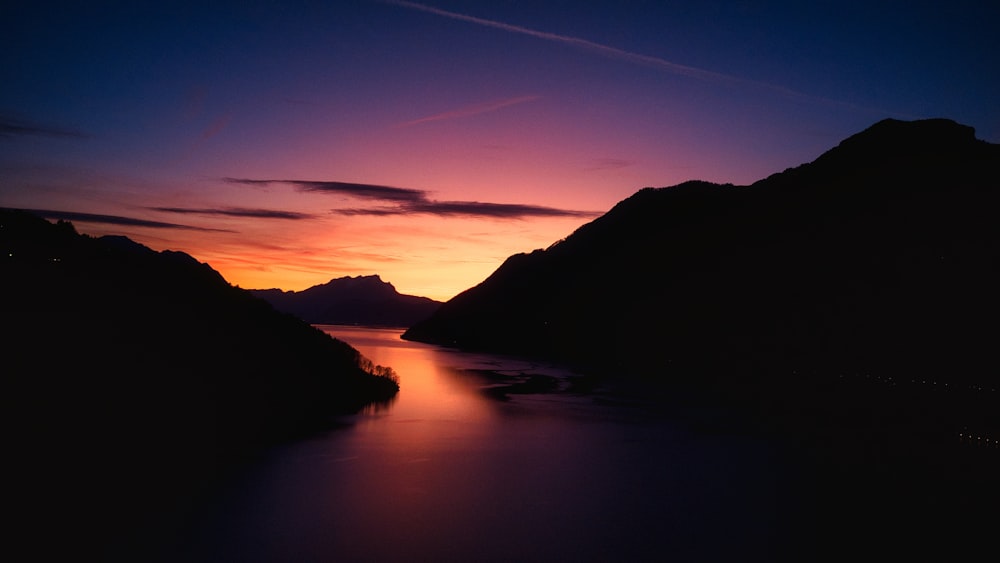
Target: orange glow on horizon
424,256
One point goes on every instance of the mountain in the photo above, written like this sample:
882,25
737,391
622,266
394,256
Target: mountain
848,305
134,378
878,256
362,300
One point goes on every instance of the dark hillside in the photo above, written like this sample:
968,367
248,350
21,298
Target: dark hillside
133,378
878,256
847,306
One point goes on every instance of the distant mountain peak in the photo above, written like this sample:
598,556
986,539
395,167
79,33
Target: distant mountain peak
369,281
363,300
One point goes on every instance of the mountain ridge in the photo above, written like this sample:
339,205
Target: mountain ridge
134,379
841,233
358,300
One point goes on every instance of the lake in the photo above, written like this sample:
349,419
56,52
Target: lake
455,470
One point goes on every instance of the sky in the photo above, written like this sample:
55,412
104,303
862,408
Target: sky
287,144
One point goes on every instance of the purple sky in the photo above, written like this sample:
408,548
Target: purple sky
288,144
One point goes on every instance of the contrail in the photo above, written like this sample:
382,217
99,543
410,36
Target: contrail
616,53
573,41
468,111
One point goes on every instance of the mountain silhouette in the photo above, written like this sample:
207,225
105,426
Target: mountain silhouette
848,305
879,256
134,378
361,300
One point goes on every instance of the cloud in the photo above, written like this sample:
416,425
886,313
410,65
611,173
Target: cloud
496,210
407,201
237,212
471,110
371,211
116,220
609,163
469,209
361,191
215,127
11,126
365,191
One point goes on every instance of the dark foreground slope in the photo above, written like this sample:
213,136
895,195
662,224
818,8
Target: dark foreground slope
849,303
133,378
361,300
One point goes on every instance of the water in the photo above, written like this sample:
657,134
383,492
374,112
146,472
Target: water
451,472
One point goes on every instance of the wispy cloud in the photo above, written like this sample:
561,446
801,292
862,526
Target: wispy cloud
381,211
11,126
366,191
236,212
621,54
496,210
215,127
361,191
468,111
469,209
116,220
609,163
408,201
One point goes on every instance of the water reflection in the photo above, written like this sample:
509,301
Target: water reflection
447,474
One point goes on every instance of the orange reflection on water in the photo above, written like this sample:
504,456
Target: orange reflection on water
427,388
438,405
416,462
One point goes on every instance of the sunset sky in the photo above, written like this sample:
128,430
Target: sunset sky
290,143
